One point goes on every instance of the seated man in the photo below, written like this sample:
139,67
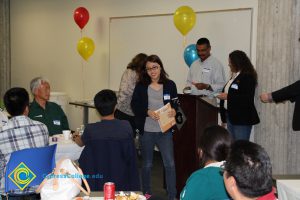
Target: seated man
248,172
41,109
109,154
20,132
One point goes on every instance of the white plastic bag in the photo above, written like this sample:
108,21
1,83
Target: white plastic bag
64,183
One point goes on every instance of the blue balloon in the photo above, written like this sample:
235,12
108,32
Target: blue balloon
190,54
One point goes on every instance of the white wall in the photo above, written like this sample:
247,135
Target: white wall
157,35
44,38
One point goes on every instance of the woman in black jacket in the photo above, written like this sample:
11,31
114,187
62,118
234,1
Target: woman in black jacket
152,92
237,100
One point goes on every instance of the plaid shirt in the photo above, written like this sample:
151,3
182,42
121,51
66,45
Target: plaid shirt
19,133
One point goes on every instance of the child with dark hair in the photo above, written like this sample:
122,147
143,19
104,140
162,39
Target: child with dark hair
207,183
105,102
20,132
109,148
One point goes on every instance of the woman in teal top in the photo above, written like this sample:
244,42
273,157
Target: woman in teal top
207,183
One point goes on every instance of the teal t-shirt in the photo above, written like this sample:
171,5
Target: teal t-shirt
52,116
205,184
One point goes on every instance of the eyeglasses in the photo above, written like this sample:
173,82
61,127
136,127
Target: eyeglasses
154,68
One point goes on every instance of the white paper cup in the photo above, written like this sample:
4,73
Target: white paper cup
67,134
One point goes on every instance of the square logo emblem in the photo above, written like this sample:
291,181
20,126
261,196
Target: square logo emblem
21,176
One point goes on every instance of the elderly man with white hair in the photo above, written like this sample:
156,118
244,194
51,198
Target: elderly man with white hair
41,109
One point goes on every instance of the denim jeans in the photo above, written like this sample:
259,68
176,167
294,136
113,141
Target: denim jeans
238,132
164,142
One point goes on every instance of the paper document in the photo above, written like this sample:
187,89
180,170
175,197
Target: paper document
165,122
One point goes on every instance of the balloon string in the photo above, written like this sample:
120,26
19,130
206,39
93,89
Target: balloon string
82,72
184,41
82,78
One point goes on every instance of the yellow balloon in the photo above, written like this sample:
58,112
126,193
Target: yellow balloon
184,19
85,47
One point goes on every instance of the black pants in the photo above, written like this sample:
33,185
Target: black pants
123,116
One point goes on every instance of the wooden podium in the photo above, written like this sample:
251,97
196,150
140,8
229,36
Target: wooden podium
200,112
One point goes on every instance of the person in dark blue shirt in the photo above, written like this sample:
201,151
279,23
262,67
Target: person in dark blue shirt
109,149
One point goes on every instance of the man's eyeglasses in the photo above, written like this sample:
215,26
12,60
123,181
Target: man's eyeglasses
154,68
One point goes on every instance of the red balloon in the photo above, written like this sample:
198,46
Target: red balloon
81,16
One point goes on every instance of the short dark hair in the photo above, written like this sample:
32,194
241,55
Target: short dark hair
105,102
250,165
145,78
16,100
215,144
202,41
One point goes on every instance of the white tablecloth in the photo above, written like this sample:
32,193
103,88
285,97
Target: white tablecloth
288,189
66,148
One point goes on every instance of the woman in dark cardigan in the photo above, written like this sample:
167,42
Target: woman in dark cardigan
153,91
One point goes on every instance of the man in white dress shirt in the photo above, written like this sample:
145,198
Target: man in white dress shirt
206,75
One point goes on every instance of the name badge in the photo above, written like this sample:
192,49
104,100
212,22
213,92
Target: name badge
167,97
205,70
235,86
56,122
39,116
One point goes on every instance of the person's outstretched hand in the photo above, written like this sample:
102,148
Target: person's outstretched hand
265,97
